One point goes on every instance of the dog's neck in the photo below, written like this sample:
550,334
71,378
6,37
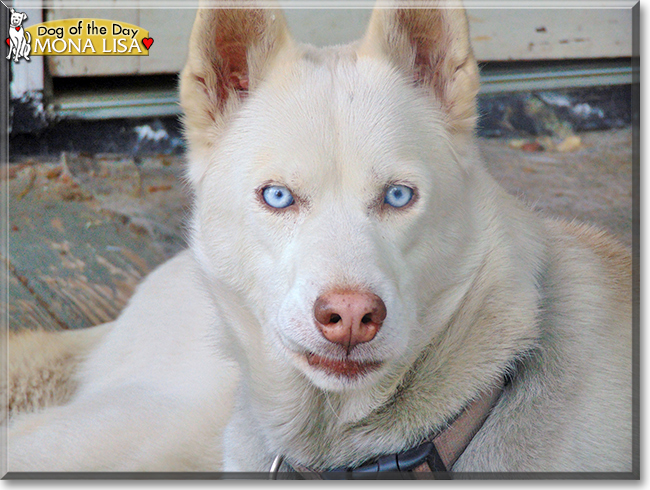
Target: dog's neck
323,430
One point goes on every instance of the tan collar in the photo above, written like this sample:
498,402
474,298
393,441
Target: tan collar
432,459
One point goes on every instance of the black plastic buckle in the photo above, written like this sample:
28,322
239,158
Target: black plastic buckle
391,463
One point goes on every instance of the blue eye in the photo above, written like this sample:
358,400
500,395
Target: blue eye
398,196
277,196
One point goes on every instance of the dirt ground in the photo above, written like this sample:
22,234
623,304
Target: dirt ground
592,184
84,230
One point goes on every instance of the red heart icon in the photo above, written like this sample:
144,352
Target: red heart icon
147,41
8,42
18,28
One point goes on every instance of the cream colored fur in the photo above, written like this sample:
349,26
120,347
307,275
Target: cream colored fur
42,366
205,369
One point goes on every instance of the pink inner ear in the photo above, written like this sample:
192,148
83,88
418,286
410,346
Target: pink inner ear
238,82
428,67
234,71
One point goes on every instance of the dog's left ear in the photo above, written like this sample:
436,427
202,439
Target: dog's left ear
24,16
431,44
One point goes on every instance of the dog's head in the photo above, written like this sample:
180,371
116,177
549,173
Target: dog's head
332,185
16,18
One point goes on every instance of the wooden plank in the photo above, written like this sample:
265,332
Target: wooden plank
93,65
325,27
497,35
170,29
77,261
24,309
540,34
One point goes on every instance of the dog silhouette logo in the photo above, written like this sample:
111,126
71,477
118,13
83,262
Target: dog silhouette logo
19,41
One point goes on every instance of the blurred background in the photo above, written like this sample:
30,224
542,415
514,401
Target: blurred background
95,161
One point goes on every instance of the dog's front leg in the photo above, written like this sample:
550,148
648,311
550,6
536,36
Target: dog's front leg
244,448
154,394
133,428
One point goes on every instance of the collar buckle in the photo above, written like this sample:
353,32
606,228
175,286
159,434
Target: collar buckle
275,467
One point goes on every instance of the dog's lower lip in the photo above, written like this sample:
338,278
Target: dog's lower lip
347,368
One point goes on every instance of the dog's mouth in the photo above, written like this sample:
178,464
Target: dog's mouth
342,368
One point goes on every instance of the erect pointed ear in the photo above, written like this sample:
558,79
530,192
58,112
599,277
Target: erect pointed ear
229,52
431,44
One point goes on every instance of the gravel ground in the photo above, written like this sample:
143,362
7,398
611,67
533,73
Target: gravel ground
592,184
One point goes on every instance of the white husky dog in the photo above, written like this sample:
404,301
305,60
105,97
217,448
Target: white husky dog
359,294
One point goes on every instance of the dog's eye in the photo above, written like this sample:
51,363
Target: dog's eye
398,196
277,196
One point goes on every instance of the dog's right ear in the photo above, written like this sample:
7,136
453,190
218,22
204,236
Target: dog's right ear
230,51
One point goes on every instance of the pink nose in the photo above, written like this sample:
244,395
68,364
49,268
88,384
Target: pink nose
349,318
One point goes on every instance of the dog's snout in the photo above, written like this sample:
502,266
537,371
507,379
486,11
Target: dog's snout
349,318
